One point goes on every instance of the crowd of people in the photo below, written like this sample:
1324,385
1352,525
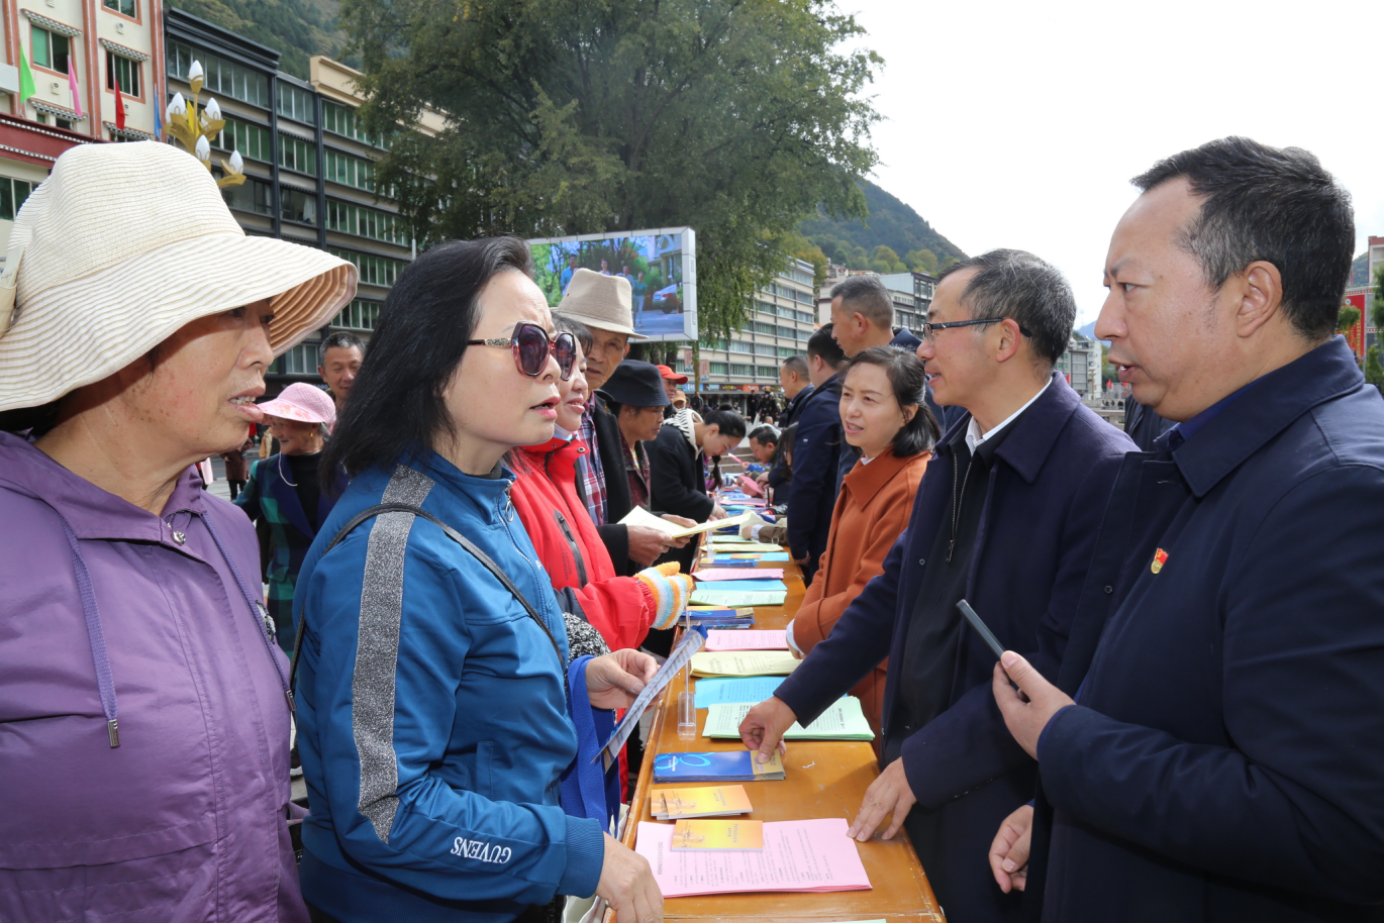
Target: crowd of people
1185,722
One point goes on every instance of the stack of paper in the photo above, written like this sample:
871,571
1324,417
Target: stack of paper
843,720
639,516
711,801
714,617
762,640
720,595
724,573
751,689
723,766
743,663
798,855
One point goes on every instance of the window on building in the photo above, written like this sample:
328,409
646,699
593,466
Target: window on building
297,154
300,360
343,121
13,192
222,77
359,315
366,222
296,205
740,346
250,196
374,270
746,371
716,368
767,371
125,7
296,103
762,328
787,351
251,140
49,49
340,167
125,70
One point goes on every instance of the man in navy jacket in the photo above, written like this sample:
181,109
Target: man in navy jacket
1223,760
1006,517
816,452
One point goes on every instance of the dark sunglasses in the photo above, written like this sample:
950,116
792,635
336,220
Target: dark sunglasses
532,347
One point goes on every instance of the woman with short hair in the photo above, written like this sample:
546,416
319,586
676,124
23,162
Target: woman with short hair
144,717
434,723
883,414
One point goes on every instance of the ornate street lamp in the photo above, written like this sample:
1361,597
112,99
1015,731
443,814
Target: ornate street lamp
195,130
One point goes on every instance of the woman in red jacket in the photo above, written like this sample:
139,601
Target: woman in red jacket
621,609
883,415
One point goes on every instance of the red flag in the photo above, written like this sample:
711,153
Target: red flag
119,105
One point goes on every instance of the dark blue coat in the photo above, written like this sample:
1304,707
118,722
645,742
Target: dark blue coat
1044,500
813,490
1224,760
780,472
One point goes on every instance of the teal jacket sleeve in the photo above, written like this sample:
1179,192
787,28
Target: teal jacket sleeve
385,692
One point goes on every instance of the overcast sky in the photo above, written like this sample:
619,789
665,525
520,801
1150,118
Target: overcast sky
1012,124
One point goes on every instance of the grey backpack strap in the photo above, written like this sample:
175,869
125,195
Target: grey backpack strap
457,537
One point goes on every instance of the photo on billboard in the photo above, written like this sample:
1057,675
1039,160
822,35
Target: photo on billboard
659,264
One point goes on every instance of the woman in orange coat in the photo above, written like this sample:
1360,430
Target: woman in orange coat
883,415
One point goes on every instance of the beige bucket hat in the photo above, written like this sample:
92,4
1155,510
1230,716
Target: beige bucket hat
600,301
122,245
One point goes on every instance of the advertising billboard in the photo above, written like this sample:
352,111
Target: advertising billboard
660,265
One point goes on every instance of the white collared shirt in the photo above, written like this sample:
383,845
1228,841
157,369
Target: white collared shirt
974,435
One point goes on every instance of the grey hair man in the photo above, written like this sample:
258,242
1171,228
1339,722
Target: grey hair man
339,358
863,316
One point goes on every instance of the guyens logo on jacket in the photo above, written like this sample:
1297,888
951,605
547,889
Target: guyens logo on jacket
482,852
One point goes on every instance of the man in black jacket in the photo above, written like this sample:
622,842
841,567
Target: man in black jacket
816,454
793,378
1215,755
675,461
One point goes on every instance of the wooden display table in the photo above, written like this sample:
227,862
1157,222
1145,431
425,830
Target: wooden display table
823,779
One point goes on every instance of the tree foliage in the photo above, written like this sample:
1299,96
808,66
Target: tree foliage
890,223
1377,306
1347,316
736,117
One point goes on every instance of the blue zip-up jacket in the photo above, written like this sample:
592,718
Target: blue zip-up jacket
432,722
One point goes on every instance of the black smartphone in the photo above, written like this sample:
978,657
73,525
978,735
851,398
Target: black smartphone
970,615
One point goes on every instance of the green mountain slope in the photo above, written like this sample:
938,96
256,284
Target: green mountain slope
892,224
297,29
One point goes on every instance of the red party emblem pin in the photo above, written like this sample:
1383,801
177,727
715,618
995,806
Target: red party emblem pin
1160,556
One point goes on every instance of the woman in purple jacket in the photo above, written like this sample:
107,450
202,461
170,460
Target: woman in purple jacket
144,721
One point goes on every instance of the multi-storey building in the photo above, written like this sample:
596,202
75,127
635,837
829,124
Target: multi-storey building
86,46
309,163
1081,365
781,321
912,293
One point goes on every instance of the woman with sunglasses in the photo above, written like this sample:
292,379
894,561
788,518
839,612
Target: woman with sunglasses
434,725
622,609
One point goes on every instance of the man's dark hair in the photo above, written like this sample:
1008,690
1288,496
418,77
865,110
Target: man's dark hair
822,344
1272,204
866,295
339,340
765,434
907,379
727,422
1018,285
397,404
571,325
798,365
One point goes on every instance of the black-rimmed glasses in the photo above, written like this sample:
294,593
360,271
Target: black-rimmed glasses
532,346
929,328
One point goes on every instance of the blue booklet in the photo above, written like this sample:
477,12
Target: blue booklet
734,690
723,766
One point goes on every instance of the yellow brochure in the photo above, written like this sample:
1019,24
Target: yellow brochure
712,801
719,834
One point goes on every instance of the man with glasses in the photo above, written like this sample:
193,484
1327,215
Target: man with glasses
1007,519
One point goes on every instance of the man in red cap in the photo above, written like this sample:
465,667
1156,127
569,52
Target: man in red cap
672,383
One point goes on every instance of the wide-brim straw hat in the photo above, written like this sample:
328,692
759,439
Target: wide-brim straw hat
600,301
121,246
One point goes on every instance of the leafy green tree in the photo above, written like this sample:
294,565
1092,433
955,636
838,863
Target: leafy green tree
1374,373
921,260
947,262
736,117
1347,317
885,254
